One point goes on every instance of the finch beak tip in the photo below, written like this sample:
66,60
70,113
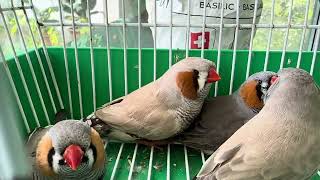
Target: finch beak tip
213,76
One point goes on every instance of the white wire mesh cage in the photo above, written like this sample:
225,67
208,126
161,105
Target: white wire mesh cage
78,55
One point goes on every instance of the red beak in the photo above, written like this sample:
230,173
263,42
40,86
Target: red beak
213,76
273,79
73,156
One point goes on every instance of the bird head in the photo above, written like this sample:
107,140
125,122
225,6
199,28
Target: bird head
254,89
70,148
291,83
193,77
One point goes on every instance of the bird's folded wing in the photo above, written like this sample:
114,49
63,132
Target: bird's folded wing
238,164
118,100
216,160
118,117
144,113
131,114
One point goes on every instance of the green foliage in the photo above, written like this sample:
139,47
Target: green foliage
79,7
281,13
50,34
83,37
14,32
53,36
46,15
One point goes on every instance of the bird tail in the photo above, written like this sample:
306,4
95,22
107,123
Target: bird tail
61,115
102,128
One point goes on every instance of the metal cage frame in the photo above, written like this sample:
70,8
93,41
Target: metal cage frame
271,27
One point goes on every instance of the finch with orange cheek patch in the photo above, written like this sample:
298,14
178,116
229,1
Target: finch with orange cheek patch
67,150
221,116
281,142
162,108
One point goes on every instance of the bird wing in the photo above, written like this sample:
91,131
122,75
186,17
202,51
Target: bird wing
92,115
214,162
141,113
246,156
237,163
214,125
118,100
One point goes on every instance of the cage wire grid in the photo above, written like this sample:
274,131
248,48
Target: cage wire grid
46,74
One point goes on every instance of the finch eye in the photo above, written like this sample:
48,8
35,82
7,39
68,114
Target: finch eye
50,156
85,159
196,73
61,162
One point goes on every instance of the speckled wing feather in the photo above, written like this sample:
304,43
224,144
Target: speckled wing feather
141,113
219,119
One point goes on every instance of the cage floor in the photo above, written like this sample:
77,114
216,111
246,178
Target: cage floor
173,162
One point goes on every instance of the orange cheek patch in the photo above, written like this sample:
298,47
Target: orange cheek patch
44,146
249,94
185,82
97,142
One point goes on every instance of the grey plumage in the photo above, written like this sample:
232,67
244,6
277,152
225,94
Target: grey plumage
77,133
221,116
213,126
162,108
281,142
47,146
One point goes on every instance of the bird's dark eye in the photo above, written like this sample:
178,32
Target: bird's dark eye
85,159
50,156
196,73
61,162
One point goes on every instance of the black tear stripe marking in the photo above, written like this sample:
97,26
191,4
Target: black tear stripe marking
195,79
258,90
94,151
50,156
